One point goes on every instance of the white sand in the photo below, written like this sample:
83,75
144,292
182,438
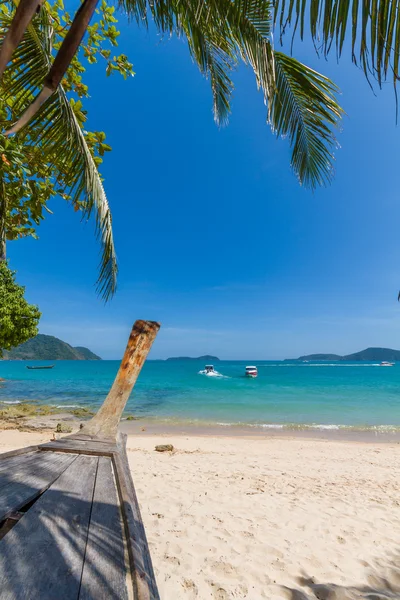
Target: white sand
267,518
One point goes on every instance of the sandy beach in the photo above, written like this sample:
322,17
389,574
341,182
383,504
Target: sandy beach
241,517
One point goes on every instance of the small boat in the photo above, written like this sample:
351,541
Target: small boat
40,367
210,371
384,363
251,371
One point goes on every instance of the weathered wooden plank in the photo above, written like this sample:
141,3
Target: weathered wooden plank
80,447
143,578
23,471
16,452
13,461
42,556
89,438
104,571
25,484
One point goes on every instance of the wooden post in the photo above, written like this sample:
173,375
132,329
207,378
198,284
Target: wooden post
23,16
105,423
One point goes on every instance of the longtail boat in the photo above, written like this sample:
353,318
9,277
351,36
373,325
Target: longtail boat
70,524
35,367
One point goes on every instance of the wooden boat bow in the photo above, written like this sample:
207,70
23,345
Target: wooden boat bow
71,505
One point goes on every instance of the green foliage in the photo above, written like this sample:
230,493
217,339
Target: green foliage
372,28
54,155
18,319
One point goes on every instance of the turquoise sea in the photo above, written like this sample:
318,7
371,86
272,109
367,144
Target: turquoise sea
360,395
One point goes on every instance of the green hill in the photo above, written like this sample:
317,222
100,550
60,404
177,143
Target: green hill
48,347
369,354
86,353
375,354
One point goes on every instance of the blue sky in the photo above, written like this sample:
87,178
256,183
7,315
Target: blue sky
215,237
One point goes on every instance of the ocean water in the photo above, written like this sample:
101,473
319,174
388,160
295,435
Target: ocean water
307,395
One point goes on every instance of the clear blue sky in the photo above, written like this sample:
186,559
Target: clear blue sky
215,238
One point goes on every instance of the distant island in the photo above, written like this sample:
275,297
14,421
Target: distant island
205,358
48,347
369,354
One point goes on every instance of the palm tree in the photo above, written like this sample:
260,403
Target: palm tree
56,131
301,103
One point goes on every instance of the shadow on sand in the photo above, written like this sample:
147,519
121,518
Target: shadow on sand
378,588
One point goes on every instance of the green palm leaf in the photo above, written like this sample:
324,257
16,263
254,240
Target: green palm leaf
220,33
373,26
56,128
303,108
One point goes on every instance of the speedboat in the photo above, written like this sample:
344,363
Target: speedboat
384,363
210,371
251,372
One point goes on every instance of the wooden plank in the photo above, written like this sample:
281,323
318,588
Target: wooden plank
13,461
25,471
80,447
42,556
104,571
17,452
25,484
90,438
143,578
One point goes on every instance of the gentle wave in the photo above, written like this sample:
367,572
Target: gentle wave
299,426
10,402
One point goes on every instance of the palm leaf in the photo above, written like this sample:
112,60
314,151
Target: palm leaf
301,102
373,27
303,108
56,128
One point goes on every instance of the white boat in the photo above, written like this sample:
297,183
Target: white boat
384,363
251,371
210,371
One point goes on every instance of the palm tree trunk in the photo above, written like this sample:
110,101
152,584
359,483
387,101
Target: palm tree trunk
61,62
23,16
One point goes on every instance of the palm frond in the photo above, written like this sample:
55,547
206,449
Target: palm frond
373,26
301,103
303,107
62,140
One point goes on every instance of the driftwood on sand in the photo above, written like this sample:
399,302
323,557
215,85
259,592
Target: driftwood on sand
70,524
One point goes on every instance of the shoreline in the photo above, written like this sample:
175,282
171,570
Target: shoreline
28,416
152,427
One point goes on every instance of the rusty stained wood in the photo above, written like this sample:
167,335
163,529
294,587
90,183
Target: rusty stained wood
42,556
23,16
105,422
142,573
